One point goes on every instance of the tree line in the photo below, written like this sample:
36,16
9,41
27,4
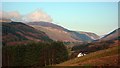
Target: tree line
34,54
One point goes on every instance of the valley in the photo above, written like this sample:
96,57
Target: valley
65,34
95,48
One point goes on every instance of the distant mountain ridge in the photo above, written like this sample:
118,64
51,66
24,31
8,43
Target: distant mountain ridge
56,34
47,24
79,36
112,35
43,31
71,35
91,35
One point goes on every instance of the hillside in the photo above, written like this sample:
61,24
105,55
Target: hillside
79,36
112,35
60,33
17,31
56,34
91,35
107,57
47,24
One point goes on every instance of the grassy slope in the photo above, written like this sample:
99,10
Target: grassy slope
55,34
103,57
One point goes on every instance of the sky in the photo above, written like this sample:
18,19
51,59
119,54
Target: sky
97,17
59,0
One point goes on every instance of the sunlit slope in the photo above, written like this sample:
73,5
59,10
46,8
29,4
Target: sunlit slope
100,58
56,34
59,33
112,35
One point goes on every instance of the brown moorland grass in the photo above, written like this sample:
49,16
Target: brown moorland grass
107,57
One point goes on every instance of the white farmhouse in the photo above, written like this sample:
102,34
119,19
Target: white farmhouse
80,54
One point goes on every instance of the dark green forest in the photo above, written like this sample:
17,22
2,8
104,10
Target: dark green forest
34,54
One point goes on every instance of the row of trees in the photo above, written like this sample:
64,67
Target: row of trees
34,54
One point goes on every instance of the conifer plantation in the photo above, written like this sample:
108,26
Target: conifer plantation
34,54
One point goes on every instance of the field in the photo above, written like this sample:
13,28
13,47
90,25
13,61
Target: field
107,57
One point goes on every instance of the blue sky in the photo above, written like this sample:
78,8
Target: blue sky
97,17
59,0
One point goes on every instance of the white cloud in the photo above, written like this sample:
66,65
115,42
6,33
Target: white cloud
14,15
36,16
